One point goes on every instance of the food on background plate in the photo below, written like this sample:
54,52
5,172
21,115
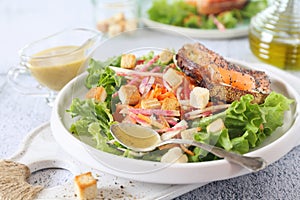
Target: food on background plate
116,24
218,6
85,186
205,14
176,97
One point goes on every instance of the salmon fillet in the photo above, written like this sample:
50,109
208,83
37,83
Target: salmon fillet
226,81
218,6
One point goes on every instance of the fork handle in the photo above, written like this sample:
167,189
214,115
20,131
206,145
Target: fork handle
252,163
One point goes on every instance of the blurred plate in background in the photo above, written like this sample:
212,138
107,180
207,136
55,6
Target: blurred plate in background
240,31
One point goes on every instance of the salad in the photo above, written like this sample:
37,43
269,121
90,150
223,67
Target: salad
190,14
153,91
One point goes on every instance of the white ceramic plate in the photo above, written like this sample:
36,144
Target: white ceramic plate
239,31
274,147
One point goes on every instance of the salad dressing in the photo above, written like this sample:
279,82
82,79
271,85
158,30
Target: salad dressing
62,64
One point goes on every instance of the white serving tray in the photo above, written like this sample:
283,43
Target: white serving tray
39,150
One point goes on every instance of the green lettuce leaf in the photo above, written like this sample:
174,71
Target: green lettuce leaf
274,107
96,69
247,124
101,75
253,7
171,12
147,57
228,19
240,144
89,111
94,120
243,116
181,13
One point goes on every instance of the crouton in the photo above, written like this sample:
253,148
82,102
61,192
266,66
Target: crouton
119,17
97,93
166,56
172,78
130,25
170,104
85,186
128,61
103,26
115,29
129,95
150,104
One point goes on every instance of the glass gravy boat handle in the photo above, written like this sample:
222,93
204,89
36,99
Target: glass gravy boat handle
20,78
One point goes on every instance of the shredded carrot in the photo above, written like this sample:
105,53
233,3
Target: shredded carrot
164,121
157,91
186,150
164,90
167,146
209,104
150,95
163,96
138,105
144,118
137,119
130,119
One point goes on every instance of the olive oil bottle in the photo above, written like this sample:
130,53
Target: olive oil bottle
274,34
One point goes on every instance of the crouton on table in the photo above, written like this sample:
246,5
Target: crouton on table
85,186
